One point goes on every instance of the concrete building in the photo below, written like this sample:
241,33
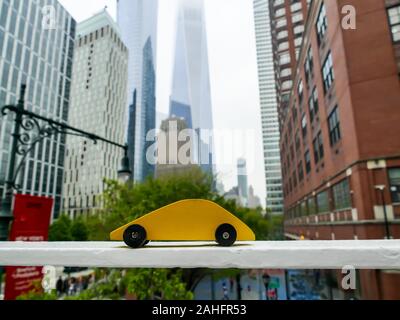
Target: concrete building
269,106
169,147
98,105
138,21
339,146
38,55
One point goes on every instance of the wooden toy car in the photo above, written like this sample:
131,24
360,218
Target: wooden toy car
187,220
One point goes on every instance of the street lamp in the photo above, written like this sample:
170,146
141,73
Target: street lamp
30,129
125,173
381,189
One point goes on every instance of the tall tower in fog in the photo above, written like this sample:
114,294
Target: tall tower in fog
191,94
138,23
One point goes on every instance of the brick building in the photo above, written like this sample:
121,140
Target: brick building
340,144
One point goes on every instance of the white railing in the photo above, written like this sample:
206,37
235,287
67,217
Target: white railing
381,254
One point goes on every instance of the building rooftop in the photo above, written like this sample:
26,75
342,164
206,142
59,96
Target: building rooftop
97,21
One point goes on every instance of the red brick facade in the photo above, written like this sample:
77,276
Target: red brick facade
340,132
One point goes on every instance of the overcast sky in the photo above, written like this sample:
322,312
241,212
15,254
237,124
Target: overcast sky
233,73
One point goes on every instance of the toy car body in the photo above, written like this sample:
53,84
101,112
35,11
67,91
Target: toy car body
186,220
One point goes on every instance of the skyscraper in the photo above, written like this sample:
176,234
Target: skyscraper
98,105
269,107
242,181
148,106
138,23
191,80
36,51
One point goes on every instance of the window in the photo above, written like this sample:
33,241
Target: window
309,64
286,72
281,23
282,35
318,148
284,58
394,180
303,209
322,24
298,30
313,104
334,127
304,125
280,12
323,202
300,91
394,20
283,46
341,195
312,210
301,171
327,72
307,160
297,17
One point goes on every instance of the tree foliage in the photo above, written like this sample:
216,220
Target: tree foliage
124,203
64,229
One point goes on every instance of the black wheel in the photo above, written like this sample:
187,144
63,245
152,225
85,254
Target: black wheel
226,235
135,236
146,242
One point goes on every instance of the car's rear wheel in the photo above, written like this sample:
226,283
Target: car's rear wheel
135,236
225,235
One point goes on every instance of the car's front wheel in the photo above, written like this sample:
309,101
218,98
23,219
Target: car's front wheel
135,236
226,235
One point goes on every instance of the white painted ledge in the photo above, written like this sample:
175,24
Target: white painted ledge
383,254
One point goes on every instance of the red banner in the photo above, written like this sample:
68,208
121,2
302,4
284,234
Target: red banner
31,223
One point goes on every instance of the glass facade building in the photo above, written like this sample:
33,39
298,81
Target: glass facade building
149,106
138,21
36,49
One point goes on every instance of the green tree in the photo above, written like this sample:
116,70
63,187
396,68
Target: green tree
37,293
60,230
79,230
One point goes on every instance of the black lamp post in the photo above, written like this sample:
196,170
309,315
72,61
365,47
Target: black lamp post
29,130
125,173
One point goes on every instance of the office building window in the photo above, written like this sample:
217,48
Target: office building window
394,20
318,148
307,160
304,125
312,209
323,202
309,64
313,104
334,127
327,72
300,91
341,195
301,171
394,180
303,209
322,23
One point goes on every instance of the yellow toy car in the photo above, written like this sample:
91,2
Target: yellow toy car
187,220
